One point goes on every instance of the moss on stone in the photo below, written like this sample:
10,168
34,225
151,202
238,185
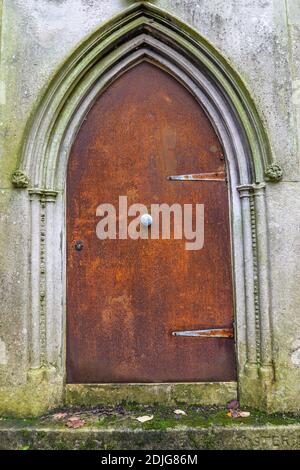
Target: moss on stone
32,399
201,428
163,418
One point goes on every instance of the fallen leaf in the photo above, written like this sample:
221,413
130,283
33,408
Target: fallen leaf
143,419
244,414
180,412
75,422
233,413
233,405
238,414
59,416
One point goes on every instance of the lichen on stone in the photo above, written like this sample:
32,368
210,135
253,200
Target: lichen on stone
19,179
274,172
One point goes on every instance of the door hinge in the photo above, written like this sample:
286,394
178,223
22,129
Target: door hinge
215,176
209,333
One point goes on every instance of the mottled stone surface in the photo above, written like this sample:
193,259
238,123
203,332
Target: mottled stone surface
14,246
112,394
284,226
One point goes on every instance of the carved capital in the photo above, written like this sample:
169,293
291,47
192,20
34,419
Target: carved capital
245,190
274,172
248,190
19,179
44,195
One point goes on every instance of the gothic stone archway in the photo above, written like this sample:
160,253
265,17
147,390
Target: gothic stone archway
143,32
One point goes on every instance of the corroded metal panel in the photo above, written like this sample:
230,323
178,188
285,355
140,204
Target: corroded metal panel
125,297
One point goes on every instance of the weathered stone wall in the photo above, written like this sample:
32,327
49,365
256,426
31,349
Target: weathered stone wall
261,40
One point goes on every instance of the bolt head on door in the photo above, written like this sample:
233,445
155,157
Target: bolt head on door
78,245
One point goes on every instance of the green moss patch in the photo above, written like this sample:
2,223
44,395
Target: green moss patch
125,417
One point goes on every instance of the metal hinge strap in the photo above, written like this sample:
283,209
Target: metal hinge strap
210,333
215,176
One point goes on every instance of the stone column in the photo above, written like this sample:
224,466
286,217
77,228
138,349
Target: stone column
266,356
42,288
251,350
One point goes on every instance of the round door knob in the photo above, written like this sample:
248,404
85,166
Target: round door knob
146,220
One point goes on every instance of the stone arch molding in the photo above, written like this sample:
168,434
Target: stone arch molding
144,32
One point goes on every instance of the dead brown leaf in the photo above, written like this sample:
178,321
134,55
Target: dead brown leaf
59,416
75,422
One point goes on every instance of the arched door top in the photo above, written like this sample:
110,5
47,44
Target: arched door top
141,32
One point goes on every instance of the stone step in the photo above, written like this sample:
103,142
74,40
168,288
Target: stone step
20,437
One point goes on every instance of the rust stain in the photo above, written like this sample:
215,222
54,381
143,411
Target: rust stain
124,297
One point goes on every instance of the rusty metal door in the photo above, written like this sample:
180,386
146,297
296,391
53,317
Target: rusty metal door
136,309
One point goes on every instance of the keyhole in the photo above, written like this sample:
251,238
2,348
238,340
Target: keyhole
78,245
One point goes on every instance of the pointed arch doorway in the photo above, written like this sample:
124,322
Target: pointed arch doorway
145,32
148,310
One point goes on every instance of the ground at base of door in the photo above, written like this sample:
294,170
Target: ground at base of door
165,428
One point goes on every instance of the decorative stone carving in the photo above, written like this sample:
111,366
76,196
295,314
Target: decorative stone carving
19,179
274,172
